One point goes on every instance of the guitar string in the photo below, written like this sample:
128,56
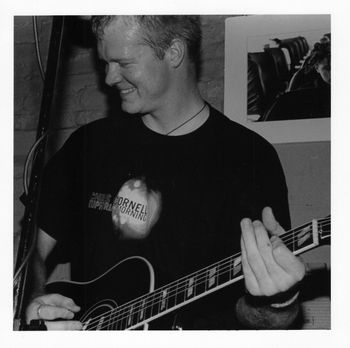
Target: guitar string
127,319
158,293
168,286
131,315
120,317
127,307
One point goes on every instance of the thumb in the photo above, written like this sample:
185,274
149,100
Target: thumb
270,223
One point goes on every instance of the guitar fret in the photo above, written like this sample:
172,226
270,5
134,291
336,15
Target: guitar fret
180,293
123,321
142,310
293,243
138,308
200,284
304,238
130,315
211,278
224,272
163,304
110,321
86,324
237,266
123,318
100,323
152,306
190,287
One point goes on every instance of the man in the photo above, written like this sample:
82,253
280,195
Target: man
171,184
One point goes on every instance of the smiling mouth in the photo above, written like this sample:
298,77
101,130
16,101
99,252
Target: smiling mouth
127,91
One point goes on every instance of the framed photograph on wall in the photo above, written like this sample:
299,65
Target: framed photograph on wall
277,75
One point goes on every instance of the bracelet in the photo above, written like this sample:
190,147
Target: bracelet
285,304
280,300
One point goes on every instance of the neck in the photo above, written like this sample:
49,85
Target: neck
179,107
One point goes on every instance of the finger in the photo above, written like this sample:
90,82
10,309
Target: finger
64,325
255,260
61,301
278,275
287,260
250,281
49,312
270,222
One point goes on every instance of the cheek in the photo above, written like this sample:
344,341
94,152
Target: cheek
325,74
155,78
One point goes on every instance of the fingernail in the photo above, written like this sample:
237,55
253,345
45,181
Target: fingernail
245,222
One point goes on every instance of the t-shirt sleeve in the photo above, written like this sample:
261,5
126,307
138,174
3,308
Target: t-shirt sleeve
271,184
58,206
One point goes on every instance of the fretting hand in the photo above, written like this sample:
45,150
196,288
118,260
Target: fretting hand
269,267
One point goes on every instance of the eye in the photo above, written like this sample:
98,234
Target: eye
124,65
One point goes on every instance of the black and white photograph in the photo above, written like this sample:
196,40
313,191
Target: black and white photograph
171,171
144,206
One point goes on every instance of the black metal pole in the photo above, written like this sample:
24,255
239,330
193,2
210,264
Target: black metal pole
28,233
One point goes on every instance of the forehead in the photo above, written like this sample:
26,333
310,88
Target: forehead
120,37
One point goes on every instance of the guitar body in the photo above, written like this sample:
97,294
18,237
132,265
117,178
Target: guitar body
122,283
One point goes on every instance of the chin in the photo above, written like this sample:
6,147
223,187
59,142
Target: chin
130,108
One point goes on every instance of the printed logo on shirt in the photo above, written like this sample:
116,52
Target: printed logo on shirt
100,201
135,209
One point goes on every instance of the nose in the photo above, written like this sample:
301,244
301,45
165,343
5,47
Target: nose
113,74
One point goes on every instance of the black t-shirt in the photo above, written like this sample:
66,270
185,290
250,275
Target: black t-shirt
118,189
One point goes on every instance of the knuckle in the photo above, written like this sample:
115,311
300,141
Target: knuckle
69,315
68,301
284,286
252,288
299,275
268,290
252,257
279,249
254,292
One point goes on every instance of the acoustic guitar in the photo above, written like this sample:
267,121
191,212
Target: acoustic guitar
108,306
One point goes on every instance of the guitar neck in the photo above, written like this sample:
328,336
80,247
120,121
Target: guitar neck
207,280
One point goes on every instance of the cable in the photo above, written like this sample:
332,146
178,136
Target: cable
26,258
37,48
28,161
33,148
25,184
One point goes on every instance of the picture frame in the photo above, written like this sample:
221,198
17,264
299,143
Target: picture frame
241,34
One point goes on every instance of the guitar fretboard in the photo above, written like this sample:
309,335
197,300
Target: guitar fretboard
198,284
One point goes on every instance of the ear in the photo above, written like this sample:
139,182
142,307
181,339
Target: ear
176,53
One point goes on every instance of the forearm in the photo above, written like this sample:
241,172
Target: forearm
38,276
263,316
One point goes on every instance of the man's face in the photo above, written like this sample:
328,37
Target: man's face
141,78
